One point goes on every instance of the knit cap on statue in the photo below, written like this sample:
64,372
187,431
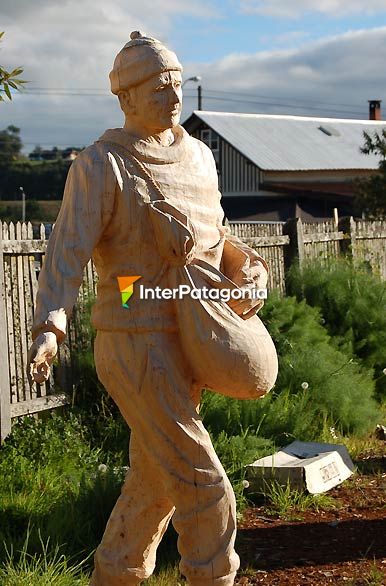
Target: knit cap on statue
140,59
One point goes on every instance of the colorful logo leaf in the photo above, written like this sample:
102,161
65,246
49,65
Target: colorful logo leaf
126,287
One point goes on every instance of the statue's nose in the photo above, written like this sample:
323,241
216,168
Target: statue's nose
175,96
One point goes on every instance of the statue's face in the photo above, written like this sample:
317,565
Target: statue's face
157,102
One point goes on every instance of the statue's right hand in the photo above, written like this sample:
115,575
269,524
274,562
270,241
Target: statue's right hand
40,357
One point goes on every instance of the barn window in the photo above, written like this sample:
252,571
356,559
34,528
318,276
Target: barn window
211,139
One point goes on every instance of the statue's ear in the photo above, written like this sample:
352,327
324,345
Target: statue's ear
127,101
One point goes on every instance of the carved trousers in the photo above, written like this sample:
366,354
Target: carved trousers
174,470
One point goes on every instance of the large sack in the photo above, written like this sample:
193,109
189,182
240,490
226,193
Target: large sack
228,354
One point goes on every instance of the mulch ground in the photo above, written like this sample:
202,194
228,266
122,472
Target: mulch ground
346,545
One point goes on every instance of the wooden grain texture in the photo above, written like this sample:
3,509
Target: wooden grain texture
46,388
39,404
321,240
22,317
20,259
370,245
14,289
25,246
9,302
32,264
270,242
5,400
27,297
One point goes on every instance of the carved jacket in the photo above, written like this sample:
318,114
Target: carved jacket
105,216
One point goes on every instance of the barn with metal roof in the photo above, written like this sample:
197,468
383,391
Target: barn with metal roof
274,167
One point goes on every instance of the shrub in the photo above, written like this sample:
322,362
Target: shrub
338,390
42,180
236,452
352,302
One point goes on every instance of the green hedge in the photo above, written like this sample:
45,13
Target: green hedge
352,304
40,180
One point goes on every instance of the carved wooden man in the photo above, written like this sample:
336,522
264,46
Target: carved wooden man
174,471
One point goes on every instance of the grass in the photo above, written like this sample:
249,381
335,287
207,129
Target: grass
170,576
286,502
51,488
373,577
49,568
61,497
362,446
56,494
39,571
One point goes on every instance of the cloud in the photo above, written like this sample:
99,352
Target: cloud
330,77
289,38
72,44
61,120
297,8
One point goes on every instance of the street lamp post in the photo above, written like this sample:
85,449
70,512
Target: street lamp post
196,79
22,204
199,96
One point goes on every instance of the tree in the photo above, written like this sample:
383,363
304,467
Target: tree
371,193
36,154
9,79
10,144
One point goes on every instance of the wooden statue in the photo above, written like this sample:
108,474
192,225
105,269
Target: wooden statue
143,202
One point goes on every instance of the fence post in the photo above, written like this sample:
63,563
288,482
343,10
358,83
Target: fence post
294,252
295,249
348,227
5,393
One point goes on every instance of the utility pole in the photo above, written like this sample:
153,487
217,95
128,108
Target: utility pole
196,79
199,96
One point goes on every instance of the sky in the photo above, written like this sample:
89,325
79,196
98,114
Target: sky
323,58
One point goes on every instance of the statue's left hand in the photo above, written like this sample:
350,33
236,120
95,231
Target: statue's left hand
245,308
40,357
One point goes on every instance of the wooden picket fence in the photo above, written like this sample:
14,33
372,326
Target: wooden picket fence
22,250
270,241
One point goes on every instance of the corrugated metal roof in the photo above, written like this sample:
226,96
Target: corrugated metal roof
295,143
